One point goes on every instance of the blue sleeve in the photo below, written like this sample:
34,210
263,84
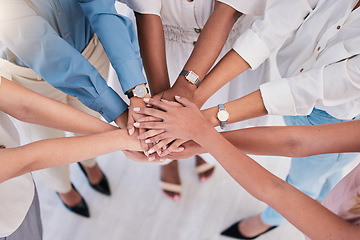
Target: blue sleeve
36,43
118,37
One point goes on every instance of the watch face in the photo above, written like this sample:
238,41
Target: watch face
192,77
140,91
223,115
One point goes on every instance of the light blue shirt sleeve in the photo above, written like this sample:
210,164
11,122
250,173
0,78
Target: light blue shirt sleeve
35,42
118,37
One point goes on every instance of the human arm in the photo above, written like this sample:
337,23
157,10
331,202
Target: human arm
33,40
32,107
299,209
207,49
256,44
59,151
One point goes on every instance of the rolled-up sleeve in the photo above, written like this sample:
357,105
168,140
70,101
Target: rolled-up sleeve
253,7
332,85
118,37
266,34
36,43
144,6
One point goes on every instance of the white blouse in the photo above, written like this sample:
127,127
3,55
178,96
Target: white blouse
17,194
182,12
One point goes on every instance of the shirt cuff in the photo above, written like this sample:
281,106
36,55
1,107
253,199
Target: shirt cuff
277,98
130,74
251,48
109,104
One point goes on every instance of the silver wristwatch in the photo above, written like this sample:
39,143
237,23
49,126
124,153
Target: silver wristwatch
222,115
191,77
139,91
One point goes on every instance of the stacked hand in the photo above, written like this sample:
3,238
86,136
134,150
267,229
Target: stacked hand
180,120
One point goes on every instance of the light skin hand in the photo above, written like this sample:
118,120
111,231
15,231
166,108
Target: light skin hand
176,120
191,148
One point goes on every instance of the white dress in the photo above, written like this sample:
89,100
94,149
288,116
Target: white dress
182,20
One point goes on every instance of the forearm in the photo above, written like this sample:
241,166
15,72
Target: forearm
209,45
60,151
297,141
207,48
152,50
45,111
247,107
230,66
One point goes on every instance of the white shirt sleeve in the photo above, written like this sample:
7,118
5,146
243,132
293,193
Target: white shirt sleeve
254,7
266,34
144,6
332,85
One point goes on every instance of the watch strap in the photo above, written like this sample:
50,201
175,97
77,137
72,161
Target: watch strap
222,123
185,73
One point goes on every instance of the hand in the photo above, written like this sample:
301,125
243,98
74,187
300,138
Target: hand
141,157
136,102
121,121
191,148
184,122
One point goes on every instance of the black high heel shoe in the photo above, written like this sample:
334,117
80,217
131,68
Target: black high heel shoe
102,187
81,208
233,231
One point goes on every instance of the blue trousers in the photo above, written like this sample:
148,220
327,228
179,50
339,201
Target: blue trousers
315,175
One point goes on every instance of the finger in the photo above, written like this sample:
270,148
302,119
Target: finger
184,101
150,112
149,119
160,146
130,125
143,145
161,104
157,138
150,125
174,147
149,134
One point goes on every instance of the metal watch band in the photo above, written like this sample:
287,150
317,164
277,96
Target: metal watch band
186,73
131,93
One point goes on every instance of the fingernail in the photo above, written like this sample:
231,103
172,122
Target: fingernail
151,151
164,148
147,141
151,158
202,179
136,109
146,100
164,100
179,149
131,131
177,97
158,152
136,124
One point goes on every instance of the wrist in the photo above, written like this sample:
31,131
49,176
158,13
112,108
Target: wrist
210,116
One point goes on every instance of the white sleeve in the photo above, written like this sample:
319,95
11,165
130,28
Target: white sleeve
144,6
254,7
332,85
266,34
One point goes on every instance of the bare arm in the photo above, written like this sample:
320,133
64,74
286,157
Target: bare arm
230,66
207,49
59,151
32,107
